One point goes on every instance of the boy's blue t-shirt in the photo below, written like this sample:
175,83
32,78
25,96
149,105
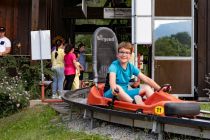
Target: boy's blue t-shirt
123,76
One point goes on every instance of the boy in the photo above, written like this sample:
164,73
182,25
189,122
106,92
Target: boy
120,72
82,60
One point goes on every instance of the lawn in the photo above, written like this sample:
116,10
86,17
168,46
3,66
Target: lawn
42,123
39,123
205,106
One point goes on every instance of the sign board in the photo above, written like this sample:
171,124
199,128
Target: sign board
104,52
117,13
40,45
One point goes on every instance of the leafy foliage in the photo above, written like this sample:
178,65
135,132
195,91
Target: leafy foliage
19,82
175,45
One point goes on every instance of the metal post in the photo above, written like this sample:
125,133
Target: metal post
158,128
42,69
136,58
91,120
85,114
134,35
160,131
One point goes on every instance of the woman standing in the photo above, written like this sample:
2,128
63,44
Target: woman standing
58,69
70,66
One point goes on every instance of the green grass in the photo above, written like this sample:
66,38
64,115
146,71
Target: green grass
205,106
36,124
42,123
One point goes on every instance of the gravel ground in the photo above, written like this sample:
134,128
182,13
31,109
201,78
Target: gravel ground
109,130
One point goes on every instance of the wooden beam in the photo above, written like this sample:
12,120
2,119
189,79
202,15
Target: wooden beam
35,15
97,13
90,28
76,12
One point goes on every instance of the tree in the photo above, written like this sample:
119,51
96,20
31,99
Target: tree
174,45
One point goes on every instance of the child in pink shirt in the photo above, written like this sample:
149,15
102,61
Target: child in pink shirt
69,66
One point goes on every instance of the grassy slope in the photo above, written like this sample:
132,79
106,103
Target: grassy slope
35,124
205,106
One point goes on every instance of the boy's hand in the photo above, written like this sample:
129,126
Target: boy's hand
115,91
166,88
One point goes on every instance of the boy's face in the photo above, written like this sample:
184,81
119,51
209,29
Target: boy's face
82,49
124,55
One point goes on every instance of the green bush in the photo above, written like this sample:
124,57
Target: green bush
19,82
12,94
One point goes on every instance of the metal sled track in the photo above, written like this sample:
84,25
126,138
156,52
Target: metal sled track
197,127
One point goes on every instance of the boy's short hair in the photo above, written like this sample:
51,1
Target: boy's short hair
125,45
81,45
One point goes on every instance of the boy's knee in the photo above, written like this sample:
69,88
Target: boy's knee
147,87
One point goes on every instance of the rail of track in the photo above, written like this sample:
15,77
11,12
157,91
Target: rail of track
199,126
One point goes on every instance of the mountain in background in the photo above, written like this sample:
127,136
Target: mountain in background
173,28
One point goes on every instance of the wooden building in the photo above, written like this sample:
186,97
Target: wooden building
22,16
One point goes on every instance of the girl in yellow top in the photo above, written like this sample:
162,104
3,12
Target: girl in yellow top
58,68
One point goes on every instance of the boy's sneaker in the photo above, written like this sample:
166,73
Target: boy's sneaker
59,97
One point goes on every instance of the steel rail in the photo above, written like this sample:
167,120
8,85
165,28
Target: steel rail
205,112
197,127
